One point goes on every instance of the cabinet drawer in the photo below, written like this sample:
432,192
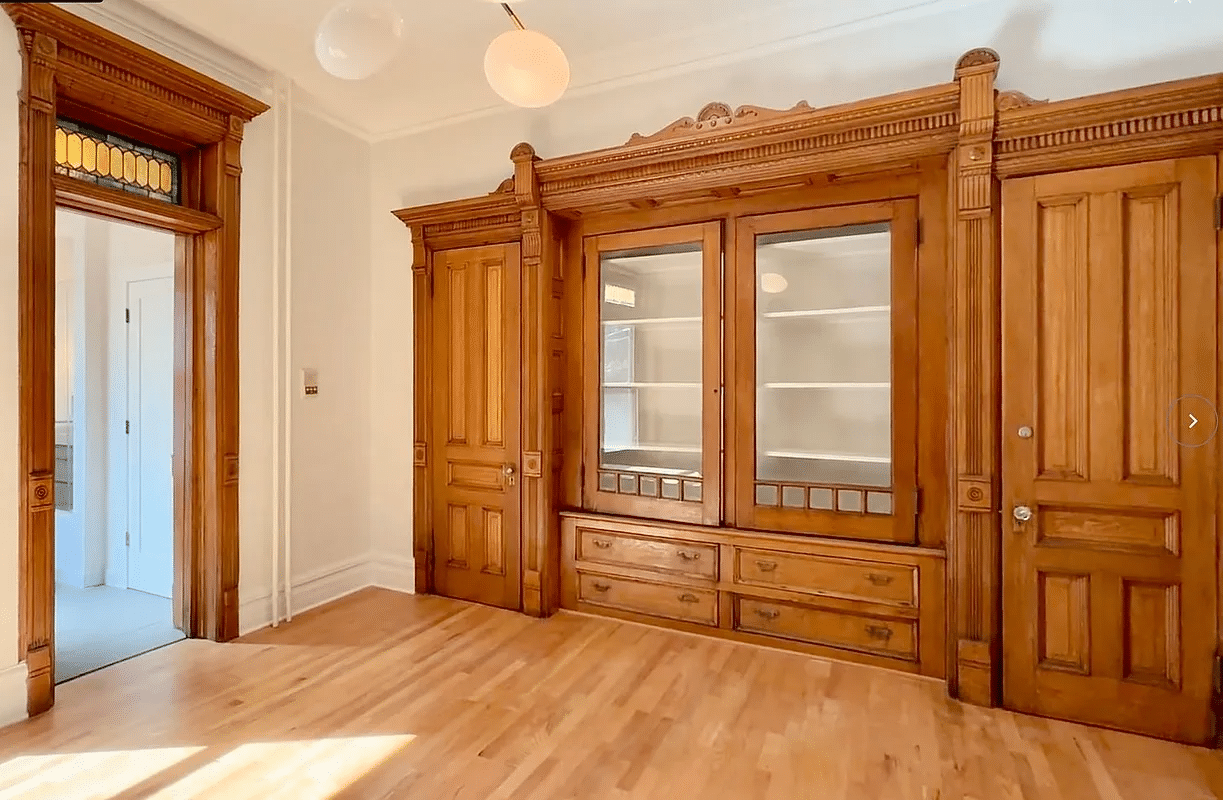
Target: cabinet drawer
897,638
655,599
859,580
680,558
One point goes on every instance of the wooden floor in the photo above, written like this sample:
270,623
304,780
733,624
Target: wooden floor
384,695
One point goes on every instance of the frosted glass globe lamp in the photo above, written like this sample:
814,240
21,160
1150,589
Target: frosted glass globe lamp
358,38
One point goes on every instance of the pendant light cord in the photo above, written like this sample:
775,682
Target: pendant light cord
517,22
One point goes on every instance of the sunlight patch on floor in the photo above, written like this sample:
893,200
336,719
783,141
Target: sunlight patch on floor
300,770
85,776
292,770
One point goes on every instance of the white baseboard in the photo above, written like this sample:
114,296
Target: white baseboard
325,585
13,694
394,572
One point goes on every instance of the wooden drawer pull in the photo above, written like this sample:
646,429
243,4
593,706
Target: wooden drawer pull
768,613
600,587
879,632
688,555
602,544
689,598
766,566
877,579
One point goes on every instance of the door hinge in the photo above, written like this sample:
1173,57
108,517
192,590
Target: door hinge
583,266
1219,213
127,426
127,315
920,232
127,538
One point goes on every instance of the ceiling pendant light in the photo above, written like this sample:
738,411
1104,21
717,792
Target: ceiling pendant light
525,67
358,38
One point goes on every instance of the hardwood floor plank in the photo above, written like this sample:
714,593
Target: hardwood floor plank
382,696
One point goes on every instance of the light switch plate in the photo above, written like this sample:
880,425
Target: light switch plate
310,381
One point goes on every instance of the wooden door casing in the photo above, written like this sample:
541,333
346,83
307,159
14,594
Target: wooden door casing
1109,316
476,418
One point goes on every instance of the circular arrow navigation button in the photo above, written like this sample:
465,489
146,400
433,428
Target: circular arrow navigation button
1192,420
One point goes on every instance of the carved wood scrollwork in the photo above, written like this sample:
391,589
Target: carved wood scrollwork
716,116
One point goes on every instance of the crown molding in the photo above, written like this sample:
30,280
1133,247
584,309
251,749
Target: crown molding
146,27
781,38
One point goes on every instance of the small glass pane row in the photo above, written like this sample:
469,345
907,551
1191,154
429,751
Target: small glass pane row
651,486
112,161
824,498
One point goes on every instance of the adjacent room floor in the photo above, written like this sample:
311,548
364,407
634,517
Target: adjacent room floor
384,695
103,625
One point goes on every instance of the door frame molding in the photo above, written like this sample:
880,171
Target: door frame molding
95,76
1006,134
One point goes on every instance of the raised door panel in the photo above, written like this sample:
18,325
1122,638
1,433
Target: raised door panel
1110,318
476,421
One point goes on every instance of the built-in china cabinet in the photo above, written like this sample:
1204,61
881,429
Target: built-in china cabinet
897,382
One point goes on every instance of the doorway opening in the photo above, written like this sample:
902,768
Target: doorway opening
115,548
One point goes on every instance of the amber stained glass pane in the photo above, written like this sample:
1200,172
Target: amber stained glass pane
93,155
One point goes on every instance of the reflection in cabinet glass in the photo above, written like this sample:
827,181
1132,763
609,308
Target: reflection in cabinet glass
651,318
823,369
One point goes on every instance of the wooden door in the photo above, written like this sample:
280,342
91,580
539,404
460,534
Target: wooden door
476,399
1109,319
150,436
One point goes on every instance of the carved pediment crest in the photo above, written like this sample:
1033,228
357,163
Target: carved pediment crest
1008,101
716,116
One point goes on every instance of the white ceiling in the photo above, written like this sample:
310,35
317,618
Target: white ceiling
438,76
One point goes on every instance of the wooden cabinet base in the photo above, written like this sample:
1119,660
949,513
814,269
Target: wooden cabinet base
867,603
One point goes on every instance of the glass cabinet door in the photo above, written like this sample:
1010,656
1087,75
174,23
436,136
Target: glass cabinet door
826,403
654,400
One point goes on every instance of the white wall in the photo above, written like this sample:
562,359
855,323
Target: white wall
12,674
326,245
1051,51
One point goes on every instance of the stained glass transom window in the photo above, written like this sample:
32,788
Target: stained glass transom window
109,160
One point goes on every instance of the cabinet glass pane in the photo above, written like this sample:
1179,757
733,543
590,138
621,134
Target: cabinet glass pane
824,366
650,397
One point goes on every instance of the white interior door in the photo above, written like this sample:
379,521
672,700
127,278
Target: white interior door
150,419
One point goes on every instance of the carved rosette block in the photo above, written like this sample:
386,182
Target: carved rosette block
973,582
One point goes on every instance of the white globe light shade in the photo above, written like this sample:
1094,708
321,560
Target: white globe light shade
358,38
526,68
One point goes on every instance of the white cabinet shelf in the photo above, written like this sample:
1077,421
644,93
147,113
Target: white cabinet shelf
651,385
846,457
652,321
827,312
829,385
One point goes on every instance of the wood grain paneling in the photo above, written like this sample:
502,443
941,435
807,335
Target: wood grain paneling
1063,338
1110,603
476,484
1064,622
107,80
1150,254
